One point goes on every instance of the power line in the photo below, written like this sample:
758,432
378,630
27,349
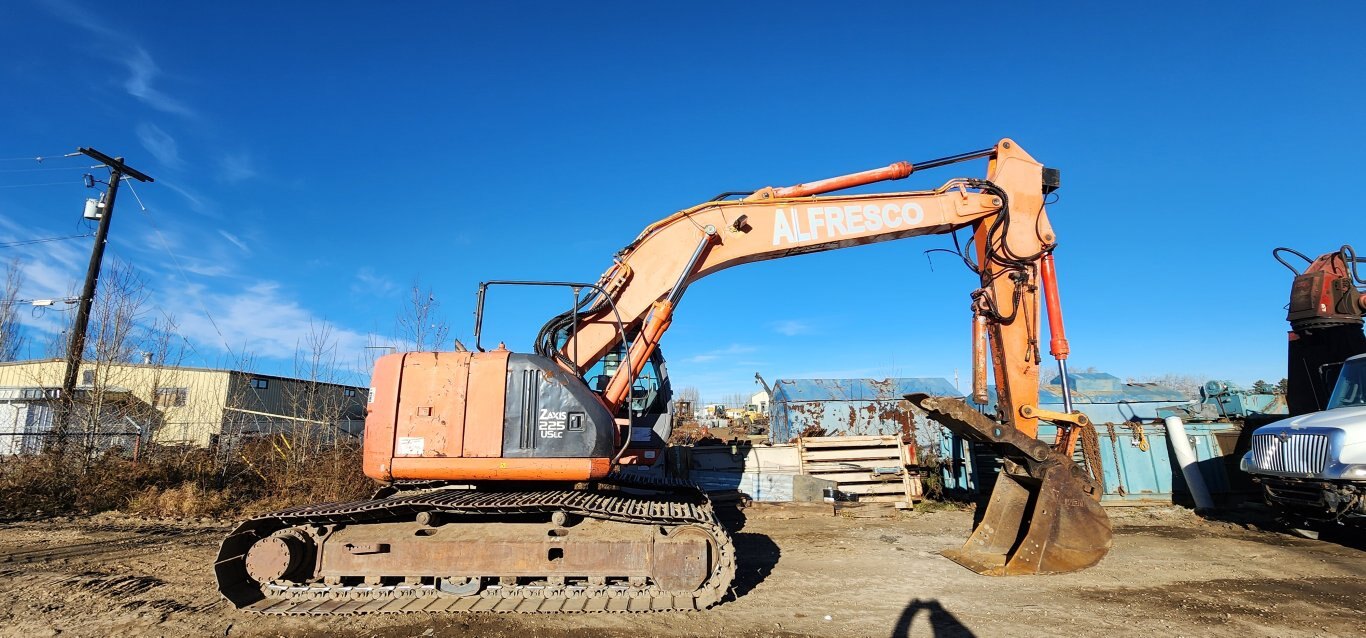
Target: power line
38,303
50,168
39,158
183,278
41,240
66,183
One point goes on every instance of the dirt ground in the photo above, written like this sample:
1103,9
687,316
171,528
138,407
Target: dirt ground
803,572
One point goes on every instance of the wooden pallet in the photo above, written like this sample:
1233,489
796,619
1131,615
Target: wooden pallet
879,469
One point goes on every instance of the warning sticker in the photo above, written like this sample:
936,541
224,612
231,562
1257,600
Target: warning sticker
410,446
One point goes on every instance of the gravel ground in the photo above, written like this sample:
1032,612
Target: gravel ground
803,572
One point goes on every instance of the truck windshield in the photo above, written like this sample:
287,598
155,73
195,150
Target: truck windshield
1351,386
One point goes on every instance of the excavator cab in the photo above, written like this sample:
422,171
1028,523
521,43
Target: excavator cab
648,405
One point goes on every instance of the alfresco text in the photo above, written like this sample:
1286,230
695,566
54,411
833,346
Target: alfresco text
832,222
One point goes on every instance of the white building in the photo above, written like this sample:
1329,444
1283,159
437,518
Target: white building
760,400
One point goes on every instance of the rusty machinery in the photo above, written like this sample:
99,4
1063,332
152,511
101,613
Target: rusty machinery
503,470
1325,315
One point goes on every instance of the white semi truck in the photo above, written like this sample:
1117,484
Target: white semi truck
1312,467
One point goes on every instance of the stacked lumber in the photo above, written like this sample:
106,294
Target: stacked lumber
879,468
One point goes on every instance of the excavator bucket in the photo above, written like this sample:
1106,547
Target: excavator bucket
1044,516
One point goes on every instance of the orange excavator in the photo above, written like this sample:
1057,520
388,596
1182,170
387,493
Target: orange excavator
508,476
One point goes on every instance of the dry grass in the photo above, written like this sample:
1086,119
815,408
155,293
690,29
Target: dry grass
184,500
169,482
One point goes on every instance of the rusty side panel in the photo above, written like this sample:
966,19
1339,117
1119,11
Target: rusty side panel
484,405
593,548
381,416
431,419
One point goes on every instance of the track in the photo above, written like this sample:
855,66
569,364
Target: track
670,504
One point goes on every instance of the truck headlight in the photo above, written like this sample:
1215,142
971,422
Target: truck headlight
1354,472
1246,462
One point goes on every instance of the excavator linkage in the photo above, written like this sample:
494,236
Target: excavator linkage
1044,516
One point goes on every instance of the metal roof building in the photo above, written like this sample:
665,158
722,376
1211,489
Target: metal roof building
1103,397
848,406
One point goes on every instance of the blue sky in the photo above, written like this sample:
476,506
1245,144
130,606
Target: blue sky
313,159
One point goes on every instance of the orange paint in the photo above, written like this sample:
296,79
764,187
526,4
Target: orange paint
434,405
432,400
380,416
484,412
1057,346
619,388
899,170
488,469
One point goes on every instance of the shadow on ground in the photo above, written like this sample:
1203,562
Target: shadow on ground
755,554
943,624
1259,517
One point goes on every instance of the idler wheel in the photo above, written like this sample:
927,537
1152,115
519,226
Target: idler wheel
275,558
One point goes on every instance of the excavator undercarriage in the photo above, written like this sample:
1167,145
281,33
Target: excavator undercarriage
624,544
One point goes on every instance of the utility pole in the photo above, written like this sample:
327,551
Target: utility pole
76,340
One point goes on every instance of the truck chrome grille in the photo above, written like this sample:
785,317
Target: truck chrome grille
1298,453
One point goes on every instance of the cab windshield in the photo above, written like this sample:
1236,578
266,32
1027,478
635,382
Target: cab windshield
1351,386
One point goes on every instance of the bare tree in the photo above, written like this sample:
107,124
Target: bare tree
111,343
690,394
11,339
115,315
162,349
736,400
420,323
1187,384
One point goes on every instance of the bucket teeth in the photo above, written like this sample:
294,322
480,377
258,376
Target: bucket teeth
1044,515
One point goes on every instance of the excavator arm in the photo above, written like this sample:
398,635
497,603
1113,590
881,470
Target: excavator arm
1044,515
1005,213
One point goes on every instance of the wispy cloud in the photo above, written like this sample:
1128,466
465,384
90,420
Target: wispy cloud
791,327
235,241
235,167
729,351
50,271
160,144
173,252
142,71
198,203
81,17
204,269
369,283
262,320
